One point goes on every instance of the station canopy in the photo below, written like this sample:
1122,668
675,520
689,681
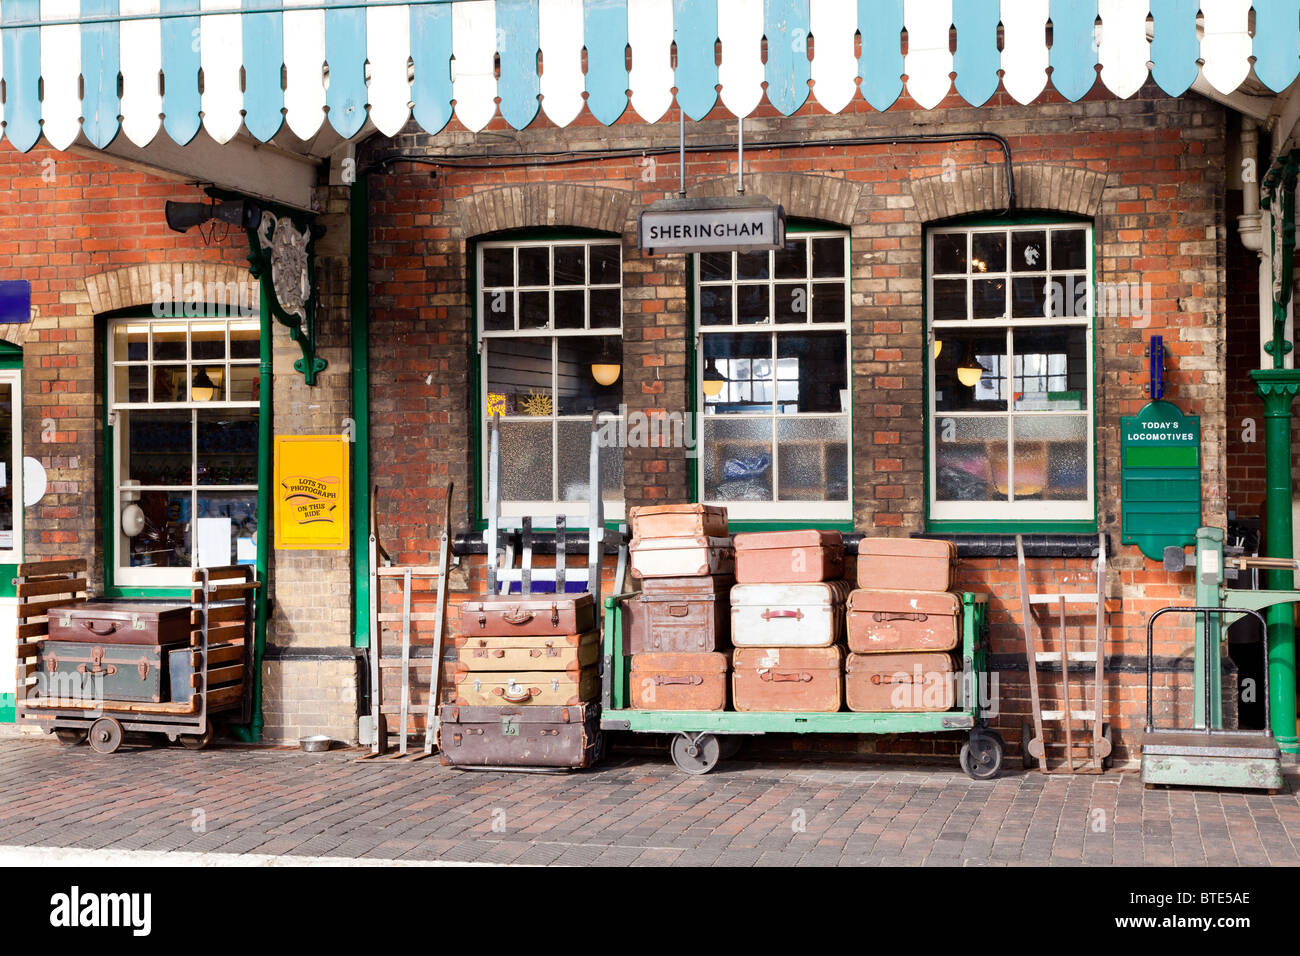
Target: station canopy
142,69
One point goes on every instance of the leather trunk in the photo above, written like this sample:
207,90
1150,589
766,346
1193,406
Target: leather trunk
900,682
895,621
681,557
906,564
574,685
121,623
682,615
540,738
548,614
182,664
679,681
789,557
102,671
523,652
788,615
788,679
678,521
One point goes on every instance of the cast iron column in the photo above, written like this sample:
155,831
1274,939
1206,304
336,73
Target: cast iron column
1278,388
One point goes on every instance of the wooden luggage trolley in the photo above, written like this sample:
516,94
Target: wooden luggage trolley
220,652
406,706
701,738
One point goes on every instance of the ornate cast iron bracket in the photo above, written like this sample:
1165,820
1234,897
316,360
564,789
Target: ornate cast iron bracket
1280,184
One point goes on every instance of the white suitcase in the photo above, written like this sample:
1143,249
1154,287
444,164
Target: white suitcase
681,557
788,615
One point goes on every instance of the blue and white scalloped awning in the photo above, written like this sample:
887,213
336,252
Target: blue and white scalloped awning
135,67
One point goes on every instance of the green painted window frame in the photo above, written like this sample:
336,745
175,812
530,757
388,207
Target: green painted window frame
478,443
108,458
793,227
11,359
1005,526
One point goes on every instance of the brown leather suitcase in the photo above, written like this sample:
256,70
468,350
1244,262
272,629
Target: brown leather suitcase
789,557
788,679
906,564
121,623
574,685
900,682
894,621
528,652
553,614
679,681
681,557
678,521
522,738
682,614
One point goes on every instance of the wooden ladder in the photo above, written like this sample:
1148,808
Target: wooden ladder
405,576
1094,740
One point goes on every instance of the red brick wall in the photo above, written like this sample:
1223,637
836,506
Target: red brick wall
1158,168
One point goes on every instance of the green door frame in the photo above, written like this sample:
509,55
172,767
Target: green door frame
11,358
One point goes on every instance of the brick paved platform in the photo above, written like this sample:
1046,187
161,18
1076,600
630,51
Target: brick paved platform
635,810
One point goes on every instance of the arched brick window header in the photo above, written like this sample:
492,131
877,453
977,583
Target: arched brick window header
507,208
133,287
803,195
983,189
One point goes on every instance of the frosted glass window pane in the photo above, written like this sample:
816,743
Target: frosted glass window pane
526,462
1051,461
574,458
737,459
967,453
813,459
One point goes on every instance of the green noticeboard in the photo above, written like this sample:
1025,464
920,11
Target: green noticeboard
1160,484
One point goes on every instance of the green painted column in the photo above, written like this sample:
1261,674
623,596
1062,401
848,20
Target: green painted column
1278,388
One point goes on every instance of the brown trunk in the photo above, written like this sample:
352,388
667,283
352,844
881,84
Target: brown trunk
519,737
678,521
554,615
905,564
785,679
681,614
111,623
789,557
900,682
890,621
679,681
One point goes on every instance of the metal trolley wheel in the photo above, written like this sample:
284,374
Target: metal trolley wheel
197,741
105,735
71,736
1027,760
695,753
981,754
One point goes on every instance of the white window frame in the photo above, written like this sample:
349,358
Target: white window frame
775,509
124,574
13,377
1010,510
575,512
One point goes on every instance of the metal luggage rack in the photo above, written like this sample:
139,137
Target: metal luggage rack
702,738
222,610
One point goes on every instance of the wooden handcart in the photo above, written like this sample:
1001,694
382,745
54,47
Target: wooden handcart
222,612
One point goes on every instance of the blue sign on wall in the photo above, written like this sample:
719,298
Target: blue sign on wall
15,300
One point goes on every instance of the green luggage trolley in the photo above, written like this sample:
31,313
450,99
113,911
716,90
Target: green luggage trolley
701,738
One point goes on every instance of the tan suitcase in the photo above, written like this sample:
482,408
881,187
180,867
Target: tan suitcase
681,557
677,521
564,688
897,621
789,557
679,681
875,683
788,679
528,652
906,564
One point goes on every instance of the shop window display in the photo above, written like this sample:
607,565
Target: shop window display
551,353
1010,373
773,378
184,411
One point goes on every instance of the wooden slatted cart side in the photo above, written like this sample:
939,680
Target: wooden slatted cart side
41,586
222,613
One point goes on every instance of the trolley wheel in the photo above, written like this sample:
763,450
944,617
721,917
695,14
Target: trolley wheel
1107,746
731,744
71,735
981,754
1027,734
598,751
197,741
105,735
695,753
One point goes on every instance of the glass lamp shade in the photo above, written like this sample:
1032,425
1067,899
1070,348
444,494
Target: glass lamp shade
606,373
970,373
202,388
713,379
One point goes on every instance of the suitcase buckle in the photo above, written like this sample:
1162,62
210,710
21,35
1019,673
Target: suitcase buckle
509,726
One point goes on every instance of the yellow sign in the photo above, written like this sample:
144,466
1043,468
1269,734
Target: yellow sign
312,506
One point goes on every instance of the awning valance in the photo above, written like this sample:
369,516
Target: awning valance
140,66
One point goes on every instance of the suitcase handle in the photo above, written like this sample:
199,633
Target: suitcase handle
515,614
516,694
882,616
899,678
770,615
679,610
90,626
694,680
774,676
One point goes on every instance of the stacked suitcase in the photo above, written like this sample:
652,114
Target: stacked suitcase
787,622
526,682
903,625
678,635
